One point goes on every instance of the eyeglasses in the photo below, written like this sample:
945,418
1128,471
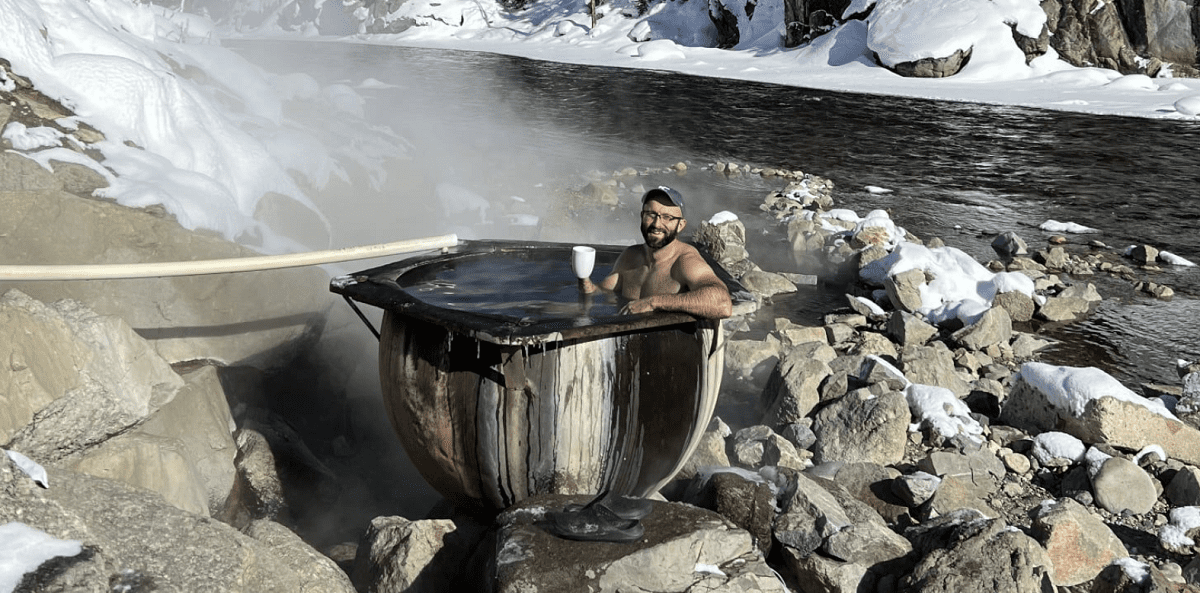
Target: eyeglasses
653,216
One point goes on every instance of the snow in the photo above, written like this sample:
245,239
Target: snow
937,408
1069,389
1052,445
1137,571
1182,520
31,468
961,288
1055,226
722,217
25,549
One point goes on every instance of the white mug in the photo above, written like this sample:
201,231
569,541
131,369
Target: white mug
583,259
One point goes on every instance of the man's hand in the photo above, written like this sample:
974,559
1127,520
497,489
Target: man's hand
638,306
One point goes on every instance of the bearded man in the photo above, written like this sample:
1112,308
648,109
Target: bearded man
664,274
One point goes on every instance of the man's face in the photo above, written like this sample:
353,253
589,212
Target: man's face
661,223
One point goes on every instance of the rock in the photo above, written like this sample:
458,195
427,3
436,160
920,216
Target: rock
430,555
966,482
796,335
1008,244
904,289
908,329
751,357
710,451
255,319
1086,292
749,504
993,558
791,391
1025,346
185,451
871,484
994,327
1132,576
916,488
1184,489
76,377
800,434
933,67
809,515
725,242
1054,258
315,571
1079,544
1143,255
875,344
1121,486
684,547
1036,404
876,371
758,446
859,427
864,307
257,490
139,538
1057,308
1087,34
1020,306
766,284
933,365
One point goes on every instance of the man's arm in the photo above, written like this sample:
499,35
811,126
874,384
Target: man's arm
706,295
610,282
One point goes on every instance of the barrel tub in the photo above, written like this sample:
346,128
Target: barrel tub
526,387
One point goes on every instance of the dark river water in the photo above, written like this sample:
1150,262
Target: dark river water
962,172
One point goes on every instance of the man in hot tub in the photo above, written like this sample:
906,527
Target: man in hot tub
664,274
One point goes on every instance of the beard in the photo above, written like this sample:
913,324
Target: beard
659,242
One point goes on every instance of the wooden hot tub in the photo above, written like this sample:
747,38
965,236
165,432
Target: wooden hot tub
502,382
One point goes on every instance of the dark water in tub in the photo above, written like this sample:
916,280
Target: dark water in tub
528,284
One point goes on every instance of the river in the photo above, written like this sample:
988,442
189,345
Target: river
505,126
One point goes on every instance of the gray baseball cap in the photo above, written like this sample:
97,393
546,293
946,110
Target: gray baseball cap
671,195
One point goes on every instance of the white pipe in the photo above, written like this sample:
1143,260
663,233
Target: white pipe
220,266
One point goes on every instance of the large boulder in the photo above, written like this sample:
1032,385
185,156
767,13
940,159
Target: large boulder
1090,33
963,552
685,548
73,377
134,540
1095,408
249,318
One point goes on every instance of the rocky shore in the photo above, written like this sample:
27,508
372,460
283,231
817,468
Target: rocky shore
911,441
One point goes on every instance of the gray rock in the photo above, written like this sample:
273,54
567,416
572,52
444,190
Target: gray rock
933,365
938,67
993,328
1059,308
874,344
76,377
1020,306
791,391
875,371
871,484
1121,485
1143,254
766,284
1079,544
684,548
1054,258
1008,244
800,434
397,554
138,537
709,452
1093,35
1184,489
916,488
315,571
258,490
1086,292
1116,578
908,329
1103,419
751,357
749,504
862,428
993,559
1025,346
810,514
904,289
